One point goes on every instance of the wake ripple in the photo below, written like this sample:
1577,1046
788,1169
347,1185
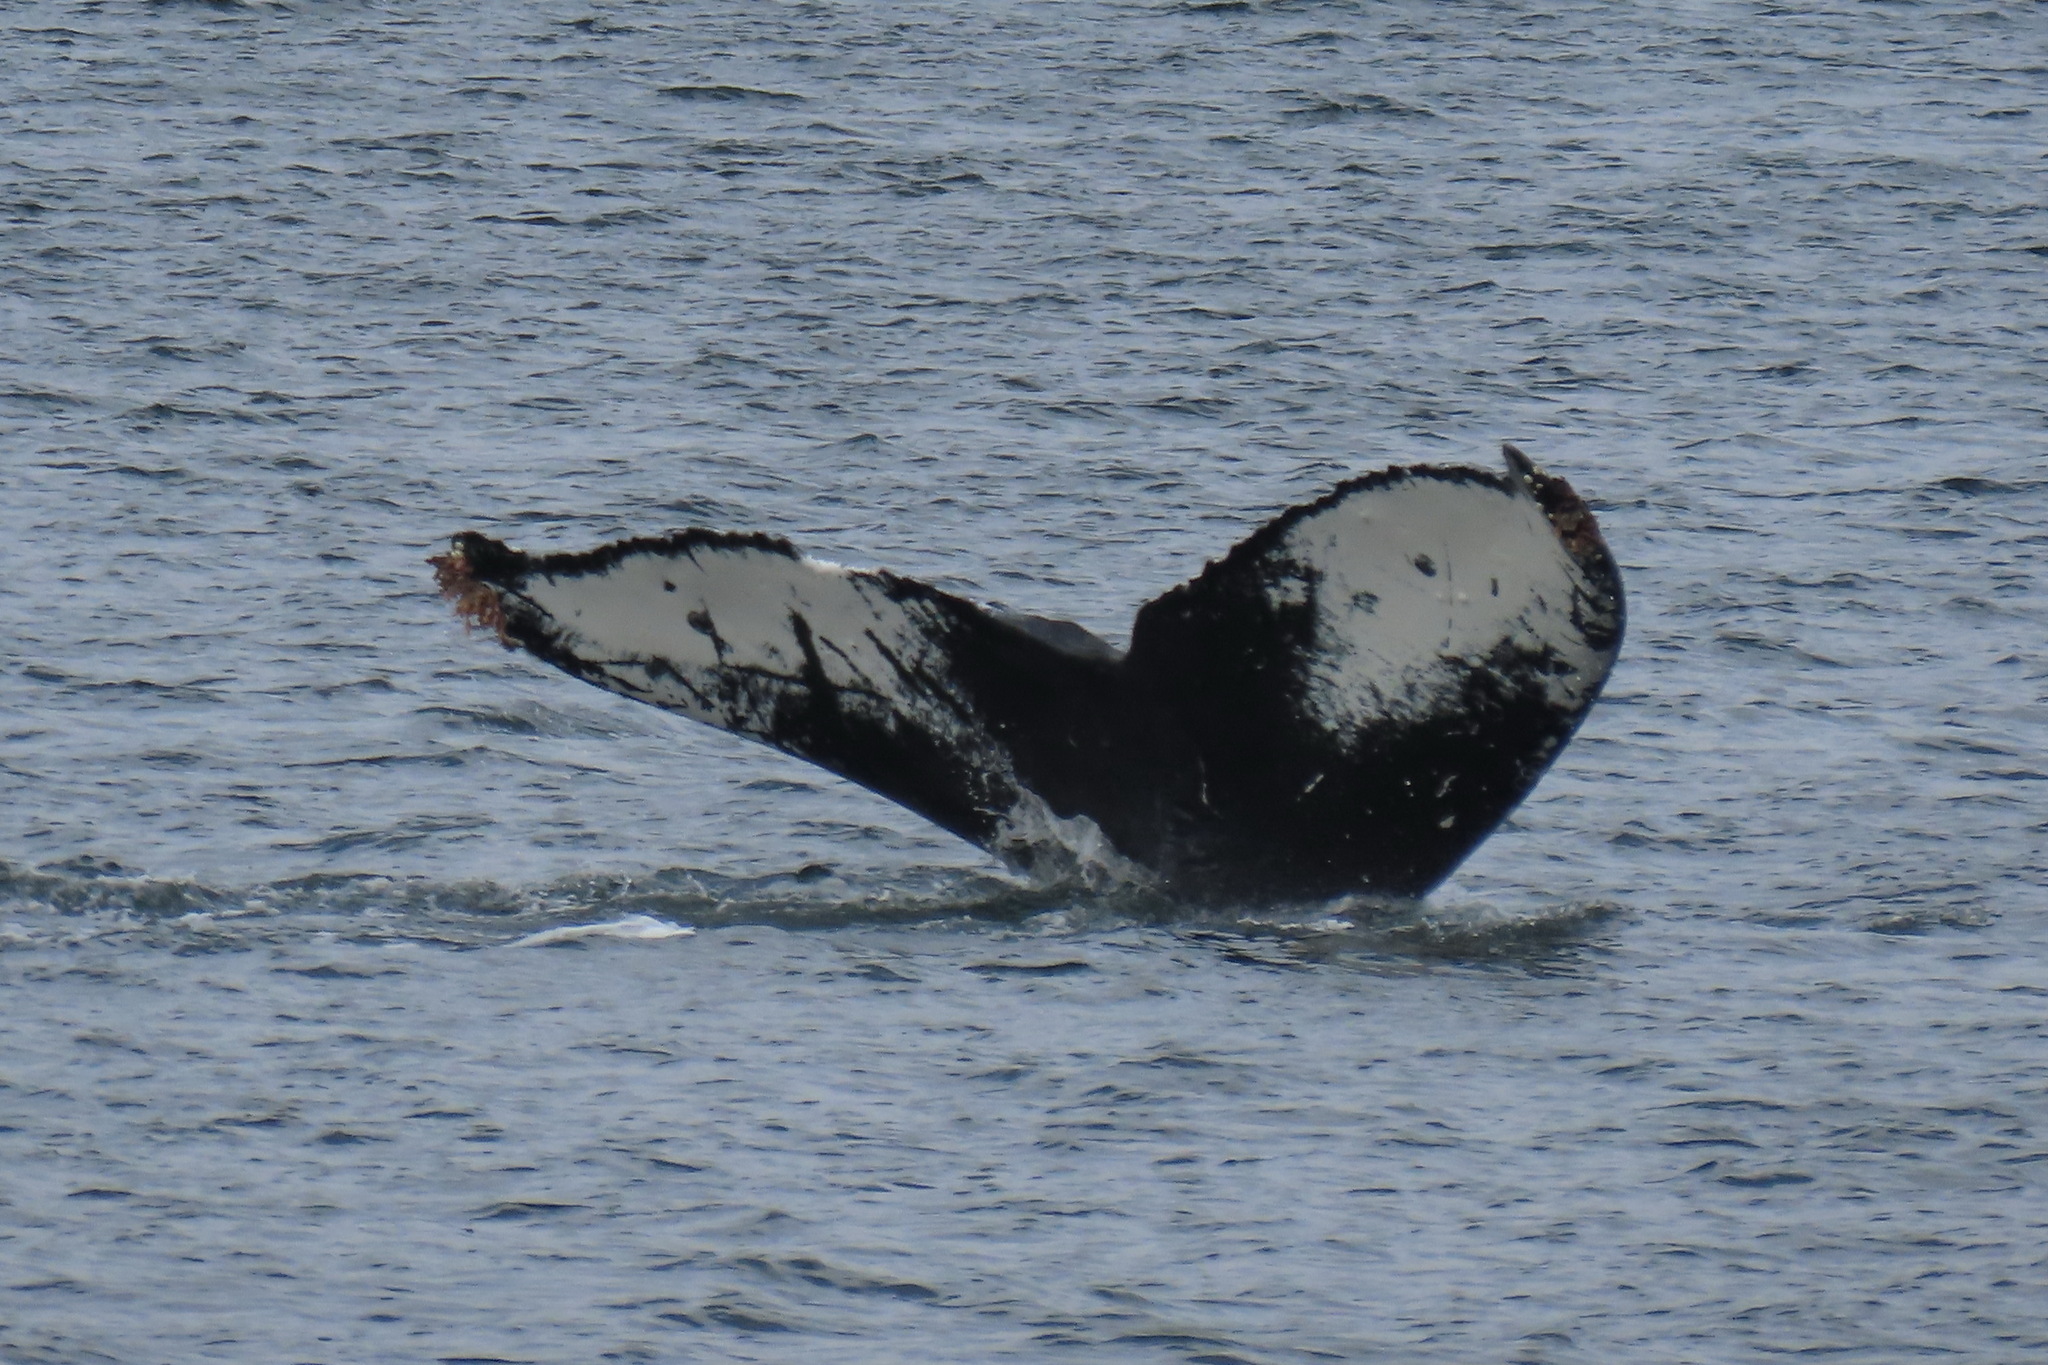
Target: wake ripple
69,904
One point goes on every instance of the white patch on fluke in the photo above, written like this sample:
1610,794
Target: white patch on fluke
1418,584
718,633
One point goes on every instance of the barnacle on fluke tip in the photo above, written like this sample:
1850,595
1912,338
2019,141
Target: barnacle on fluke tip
1349,700
476,603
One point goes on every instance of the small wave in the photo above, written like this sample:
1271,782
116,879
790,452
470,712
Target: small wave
1356,106
1183,405
1517,251
1365,929
530,719
522,1210
1977,486
730,94
1471,930
42,399
407,833
541,218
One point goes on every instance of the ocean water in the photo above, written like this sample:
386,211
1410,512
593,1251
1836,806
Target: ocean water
346,1008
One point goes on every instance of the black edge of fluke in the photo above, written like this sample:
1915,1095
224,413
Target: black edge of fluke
1348,701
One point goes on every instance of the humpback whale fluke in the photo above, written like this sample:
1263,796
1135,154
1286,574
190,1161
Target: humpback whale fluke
1349,700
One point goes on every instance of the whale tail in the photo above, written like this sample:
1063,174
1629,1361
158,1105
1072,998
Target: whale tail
1349,700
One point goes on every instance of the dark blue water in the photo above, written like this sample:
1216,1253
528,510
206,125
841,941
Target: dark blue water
1730,1047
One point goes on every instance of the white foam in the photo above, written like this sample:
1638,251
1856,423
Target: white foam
637,927
1054,850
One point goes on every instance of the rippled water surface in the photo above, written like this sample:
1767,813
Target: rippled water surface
1733,1045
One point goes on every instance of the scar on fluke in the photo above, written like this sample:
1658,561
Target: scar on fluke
1349,700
